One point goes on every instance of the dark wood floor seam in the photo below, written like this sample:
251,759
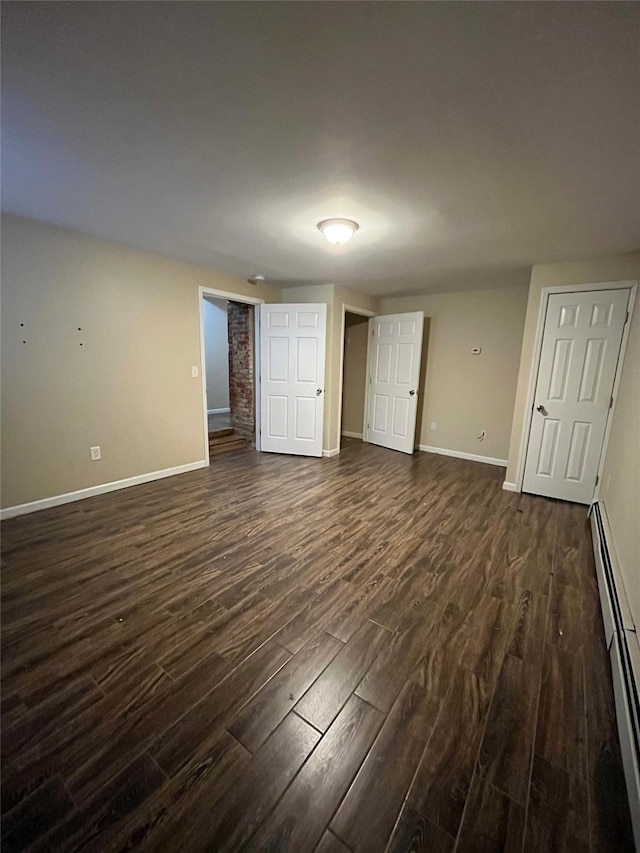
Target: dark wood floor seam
533,744
417,770
97,686
221,683
335,811
386,627
68,792
308,722
587,729
169,676
588,734
153,761
475,768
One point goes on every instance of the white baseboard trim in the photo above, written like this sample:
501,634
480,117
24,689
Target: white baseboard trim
458,454
510,487
330,453
218,411
351,434
92,491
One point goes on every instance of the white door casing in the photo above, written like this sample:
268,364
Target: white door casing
393,371
580,350
292,356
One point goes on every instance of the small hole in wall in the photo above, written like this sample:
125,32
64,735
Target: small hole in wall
22,324
24,342
81,345
79,329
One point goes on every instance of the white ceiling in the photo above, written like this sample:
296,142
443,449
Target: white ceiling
468,140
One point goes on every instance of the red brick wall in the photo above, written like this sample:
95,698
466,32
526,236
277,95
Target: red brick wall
241,370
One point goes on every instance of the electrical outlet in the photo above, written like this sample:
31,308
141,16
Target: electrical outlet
194,371
433,425
96,454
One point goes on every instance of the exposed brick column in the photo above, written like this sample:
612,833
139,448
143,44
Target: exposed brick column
241,370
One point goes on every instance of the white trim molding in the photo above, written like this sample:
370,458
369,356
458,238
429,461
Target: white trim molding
458,454
330,453
231,297
510,487
351,434
92,491
222,411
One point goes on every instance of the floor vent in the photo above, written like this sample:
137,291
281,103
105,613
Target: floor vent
622,642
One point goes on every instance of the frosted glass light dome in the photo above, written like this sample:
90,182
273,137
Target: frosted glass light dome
338,231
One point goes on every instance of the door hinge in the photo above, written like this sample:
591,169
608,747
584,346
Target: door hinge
597,479
626,319
611,402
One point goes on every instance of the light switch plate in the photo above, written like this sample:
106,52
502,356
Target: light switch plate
194,371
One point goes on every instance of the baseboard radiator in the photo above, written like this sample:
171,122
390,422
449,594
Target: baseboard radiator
624,652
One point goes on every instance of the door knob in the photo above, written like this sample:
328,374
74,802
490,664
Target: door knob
412,392
318,392
541,409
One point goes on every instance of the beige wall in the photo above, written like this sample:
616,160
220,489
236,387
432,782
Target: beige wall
216,351
621,475
354,373
128,388
336,298
463,393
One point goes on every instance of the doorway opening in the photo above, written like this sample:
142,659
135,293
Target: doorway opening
354,375
229,374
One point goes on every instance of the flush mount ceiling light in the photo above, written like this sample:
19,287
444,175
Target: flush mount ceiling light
254,279
338,231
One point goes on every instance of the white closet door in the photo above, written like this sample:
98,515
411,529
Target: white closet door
580,349
393,370
292,355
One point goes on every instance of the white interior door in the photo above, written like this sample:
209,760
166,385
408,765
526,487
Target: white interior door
580,348
292,352
393,370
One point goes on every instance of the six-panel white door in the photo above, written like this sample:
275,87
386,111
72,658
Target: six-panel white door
393,370
580,348
292,353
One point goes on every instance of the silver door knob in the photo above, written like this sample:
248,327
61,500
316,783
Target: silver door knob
541,409
318,392
412,392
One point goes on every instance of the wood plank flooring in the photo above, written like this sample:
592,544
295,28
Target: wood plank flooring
374,652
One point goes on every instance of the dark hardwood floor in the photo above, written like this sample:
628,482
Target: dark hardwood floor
367,653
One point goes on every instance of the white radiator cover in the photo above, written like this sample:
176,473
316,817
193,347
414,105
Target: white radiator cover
624,652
